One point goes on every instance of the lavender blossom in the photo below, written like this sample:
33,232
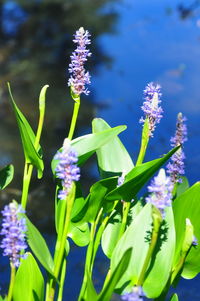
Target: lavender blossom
176,167
161,191
135,295
67,170
79,77
121,179
151,107
13,230
195,241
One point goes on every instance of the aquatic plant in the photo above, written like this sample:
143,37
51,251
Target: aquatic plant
150,242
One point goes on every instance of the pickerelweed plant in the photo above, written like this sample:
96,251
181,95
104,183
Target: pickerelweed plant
150,241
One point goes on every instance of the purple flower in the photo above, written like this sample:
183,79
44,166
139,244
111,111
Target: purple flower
135,295
67,169
79,77
195,241
121,179
161,191
13,230
176,167
151,107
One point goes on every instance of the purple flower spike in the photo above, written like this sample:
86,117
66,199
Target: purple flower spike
13,230
80,77
135,295
151,107
176,167
67,170
161,191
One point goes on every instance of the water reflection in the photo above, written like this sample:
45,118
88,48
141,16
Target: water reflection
36,42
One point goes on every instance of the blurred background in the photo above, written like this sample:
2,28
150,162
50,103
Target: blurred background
134,42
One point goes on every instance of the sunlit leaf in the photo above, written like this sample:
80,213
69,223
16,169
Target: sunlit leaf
39,247
187,205
31,154
112,157
137,177
6,175
29,282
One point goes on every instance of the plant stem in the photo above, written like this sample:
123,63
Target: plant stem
59,258
74,118
126,207
156,227
12,281
144,142
87,261
28,168
90,256
62,280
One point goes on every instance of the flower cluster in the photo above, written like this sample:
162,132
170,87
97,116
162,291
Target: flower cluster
135,295
176,167
151,107
13,230
79,77
161,191
66,169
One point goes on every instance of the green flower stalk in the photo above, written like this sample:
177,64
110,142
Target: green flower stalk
79,77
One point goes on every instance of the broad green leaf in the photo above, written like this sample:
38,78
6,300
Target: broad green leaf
32,155
1,298
110,235
96,198
163,258
86,145
136,236
29,282
187,205
6,175
116,274
80,234
79,209
112,157
137,177
39,247
174,297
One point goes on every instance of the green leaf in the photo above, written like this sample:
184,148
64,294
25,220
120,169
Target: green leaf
29,282
136,237
187,205
96,198
39,247
106,158
86,145
32,155
80,234
174,297
137,177
116,274
6,175
111,233
162,260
